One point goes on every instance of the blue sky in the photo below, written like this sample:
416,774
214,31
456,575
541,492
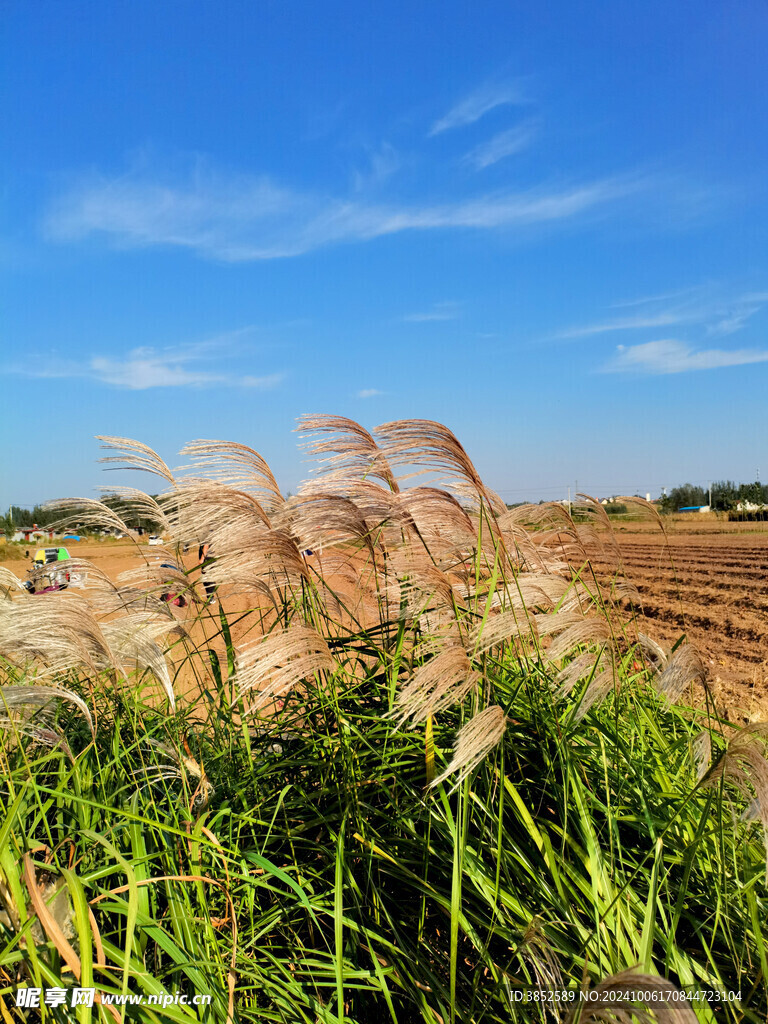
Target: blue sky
543,225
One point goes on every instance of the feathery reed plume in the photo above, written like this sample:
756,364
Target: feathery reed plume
432,445
474,741
50,738
155,577
420,584
324,520
621,590
513,625
132,639
580,667
355,454
674,670
596,516
438,517
744,766
607,1004
376,503
654,653
88,514
79,572
138,504
182,767
260,562
66,635
41,699
275,665
239,467
197,507
547,624
701,751
10,583
537,954
683,668
133,455
645,508
443,681
598,688
520,548
586,632
534,515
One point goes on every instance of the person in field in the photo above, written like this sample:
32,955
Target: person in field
205,560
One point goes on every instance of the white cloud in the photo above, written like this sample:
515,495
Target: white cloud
369,393
382,164
502,145
671,356
144,368
716,316
240,219
477,104
440,311
627,323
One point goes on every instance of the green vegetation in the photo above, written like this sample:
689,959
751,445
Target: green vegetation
402,792
726,495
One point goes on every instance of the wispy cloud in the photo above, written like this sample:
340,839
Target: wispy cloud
645,300
239,218
382,163
502,145
369,393
440,311
144,368
716,316
479,103
736,316
671,356
627,323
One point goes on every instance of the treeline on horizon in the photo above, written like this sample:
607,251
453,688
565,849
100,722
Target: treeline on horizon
43,516
725,495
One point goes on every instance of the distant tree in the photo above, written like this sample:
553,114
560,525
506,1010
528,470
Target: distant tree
725,495
686,496
752,493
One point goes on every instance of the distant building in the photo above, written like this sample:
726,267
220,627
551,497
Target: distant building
30,534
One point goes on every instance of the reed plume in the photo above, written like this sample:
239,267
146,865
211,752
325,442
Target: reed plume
427,445
239,467
276,664
443,681
348,450
474,741
133,455
607,1002
745,767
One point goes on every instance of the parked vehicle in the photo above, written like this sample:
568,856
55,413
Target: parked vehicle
44,556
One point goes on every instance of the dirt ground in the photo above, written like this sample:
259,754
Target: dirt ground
709,580
705,578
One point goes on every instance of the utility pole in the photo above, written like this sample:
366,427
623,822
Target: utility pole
710,495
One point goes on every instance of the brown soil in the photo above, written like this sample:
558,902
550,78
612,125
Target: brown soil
709,581
706,579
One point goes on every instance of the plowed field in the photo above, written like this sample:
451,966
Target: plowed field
710,581
707,579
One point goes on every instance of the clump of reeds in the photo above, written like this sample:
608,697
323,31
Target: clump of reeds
414,727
